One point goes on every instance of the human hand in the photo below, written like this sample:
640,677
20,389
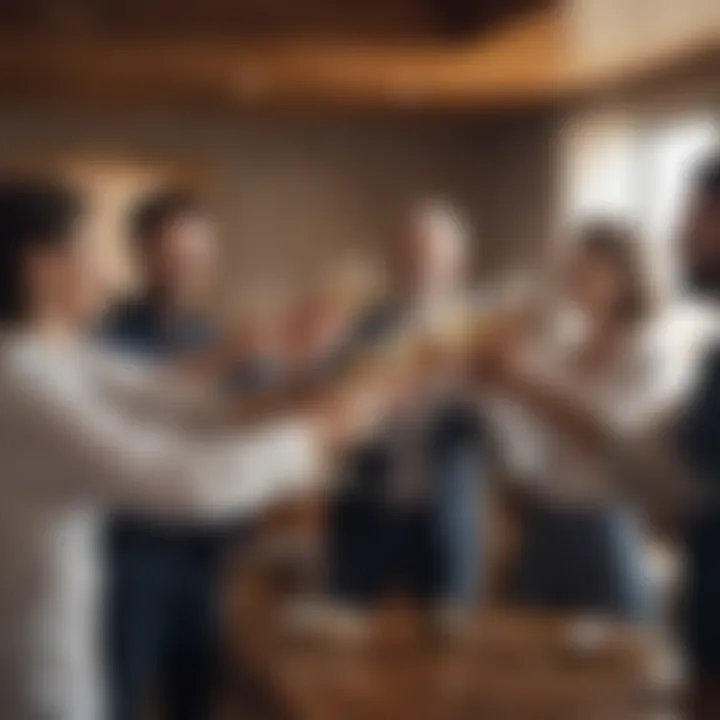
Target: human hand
357,408
496,356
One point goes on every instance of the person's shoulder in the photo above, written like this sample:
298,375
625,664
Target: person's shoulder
26,370
32,367
21,354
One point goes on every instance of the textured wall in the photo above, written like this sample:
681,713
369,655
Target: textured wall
290,193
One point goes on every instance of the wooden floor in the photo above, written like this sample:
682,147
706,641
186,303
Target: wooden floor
508,666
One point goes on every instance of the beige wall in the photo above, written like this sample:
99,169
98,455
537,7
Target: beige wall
290,193
609,34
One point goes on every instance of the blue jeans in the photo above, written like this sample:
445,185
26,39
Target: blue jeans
163,622
583,560
460,506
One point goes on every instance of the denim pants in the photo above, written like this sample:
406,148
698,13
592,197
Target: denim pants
460,505
432,550
163,639
583,560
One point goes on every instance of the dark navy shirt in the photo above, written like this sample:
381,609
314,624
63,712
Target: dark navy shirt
700,446
162,577
700,430
369,470
138,326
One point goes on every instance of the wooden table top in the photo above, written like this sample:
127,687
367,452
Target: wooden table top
507,666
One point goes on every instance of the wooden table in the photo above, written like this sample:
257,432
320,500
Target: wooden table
508,666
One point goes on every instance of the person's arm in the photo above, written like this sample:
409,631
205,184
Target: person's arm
555,405
156,392
96,451
218,360
641,456
629,433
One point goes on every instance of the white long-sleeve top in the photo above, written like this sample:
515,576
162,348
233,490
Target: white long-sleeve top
633,397
83,432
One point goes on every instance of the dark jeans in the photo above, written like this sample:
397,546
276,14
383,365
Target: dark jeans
432,550
163,640
584,561
702,627
375,548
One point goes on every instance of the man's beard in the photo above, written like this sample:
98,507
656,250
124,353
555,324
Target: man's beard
704,280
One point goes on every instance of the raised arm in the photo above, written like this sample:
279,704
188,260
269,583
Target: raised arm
630,431
94,449
157,393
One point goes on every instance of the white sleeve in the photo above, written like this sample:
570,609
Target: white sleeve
105,455
646,398
642,421
156,390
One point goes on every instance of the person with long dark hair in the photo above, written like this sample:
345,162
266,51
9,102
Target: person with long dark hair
654,440
82,432
699,449
582,544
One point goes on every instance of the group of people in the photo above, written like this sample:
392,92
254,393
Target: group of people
138,443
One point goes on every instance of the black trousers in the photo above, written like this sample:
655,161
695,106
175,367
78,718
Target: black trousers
702,625
375,547
431,549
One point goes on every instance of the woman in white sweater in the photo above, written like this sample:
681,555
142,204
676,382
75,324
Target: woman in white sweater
579,414
82,432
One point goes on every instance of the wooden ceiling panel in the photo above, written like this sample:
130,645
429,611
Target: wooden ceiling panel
327,54
369,20
270,18
517,63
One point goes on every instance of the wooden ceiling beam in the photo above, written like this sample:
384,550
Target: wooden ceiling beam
517,63
456,18
370,20
464,19
527,62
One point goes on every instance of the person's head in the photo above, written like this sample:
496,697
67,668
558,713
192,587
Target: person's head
175,246
701,237
605,277
430,253
49,265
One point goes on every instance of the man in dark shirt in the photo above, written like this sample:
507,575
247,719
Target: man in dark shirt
175,251
163,578
409,514
700,446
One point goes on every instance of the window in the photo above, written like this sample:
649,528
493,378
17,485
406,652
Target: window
669,154
639,171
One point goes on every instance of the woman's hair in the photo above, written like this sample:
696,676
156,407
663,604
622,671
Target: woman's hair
707,177
618,245
32,215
